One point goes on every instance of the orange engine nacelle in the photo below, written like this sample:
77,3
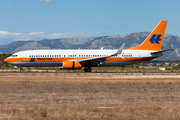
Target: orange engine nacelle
71,65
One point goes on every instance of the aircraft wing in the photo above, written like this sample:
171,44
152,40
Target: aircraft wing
97,60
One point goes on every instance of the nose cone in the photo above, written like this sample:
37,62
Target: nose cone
6,60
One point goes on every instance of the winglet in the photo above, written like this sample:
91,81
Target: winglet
102,48
119,50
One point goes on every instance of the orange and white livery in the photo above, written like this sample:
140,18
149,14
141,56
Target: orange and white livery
87,58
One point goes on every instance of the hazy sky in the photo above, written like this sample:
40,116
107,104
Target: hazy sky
40,19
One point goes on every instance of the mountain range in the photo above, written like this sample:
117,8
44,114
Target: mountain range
108,42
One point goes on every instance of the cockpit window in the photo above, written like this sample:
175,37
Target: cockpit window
14,55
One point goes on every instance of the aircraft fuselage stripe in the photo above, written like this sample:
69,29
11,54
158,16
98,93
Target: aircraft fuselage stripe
111,59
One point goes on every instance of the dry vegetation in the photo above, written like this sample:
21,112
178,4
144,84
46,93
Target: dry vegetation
89,96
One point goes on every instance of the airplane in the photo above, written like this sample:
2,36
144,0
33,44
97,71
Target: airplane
87,58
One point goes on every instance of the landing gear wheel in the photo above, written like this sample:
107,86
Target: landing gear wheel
21,70
87,69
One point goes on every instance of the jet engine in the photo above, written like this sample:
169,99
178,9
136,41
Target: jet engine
71,65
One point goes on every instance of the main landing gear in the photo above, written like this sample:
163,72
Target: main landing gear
87,69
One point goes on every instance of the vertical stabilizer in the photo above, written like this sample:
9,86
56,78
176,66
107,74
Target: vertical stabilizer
154,40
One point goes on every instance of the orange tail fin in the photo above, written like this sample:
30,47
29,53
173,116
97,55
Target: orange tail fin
155,39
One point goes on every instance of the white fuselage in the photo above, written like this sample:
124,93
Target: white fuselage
56,57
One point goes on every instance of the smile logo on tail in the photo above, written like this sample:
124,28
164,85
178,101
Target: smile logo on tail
155,39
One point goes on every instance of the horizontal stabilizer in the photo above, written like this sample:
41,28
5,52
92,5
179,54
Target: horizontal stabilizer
158,52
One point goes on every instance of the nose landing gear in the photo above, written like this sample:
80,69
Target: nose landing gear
21,70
